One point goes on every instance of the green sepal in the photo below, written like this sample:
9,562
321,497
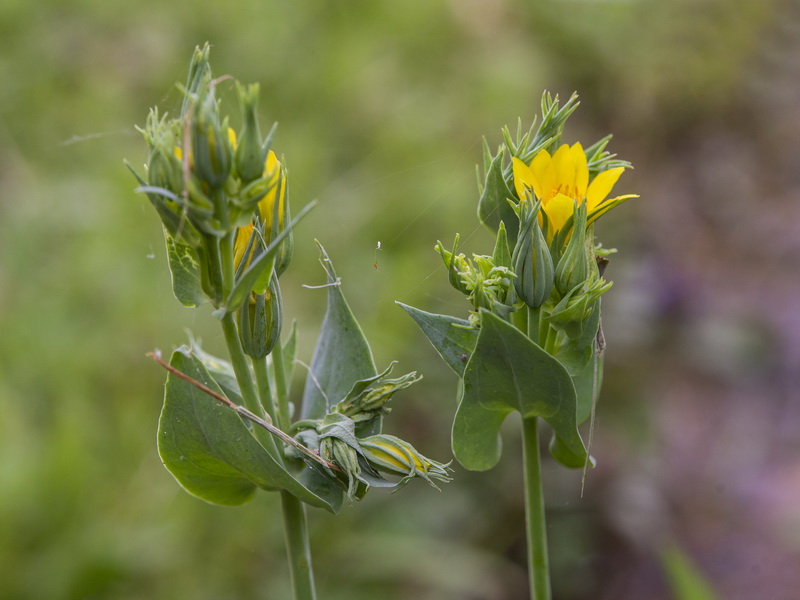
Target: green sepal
454,339
257,276
508,372
187,272
493,204
342,354
212,453
501,256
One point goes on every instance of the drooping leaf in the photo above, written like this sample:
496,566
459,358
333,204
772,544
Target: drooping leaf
493,205
342,355
508,372
452,338
213,455
184,265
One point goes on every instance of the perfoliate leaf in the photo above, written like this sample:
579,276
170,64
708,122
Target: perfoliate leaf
213,455
342,355
453,338
508,372
184,265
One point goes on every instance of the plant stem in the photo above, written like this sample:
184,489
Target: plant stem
298,550
538,562
284,418
245,381
265,390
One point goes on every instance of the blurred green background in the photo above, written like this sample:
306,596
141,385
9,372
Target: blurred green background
382,106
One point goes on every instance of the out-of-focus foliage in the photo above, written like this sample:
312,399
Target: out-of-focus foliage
381,108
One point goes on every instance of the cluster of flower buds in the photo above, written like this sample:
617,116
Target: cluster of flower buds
549,195
223,199
343,437
487,281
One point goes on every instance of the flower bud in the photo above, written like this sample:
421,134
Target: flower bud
390,454
211,143
260,321
368,398
531,259
344,456
574,265
250,155
456,265
199,77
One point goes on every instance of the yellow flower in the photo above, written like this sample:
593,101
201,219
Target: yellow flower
560,180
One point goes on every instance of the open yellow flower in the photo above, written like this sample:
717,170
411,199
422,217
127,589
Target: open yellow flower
560,180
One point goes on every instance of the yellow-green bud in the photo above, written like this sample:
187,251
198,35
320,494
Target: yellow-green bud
390,454
367,400
574,265
250,154
211,143
531,259
260,321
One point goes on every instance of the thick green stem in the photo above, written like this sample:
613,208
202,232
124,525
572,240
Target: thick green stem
297,547
538,562
245,381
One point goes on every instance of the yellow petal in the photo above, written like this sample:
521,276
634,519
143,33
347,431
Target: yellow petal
606,206
523,177
240,244
581,170
564,170
558,211
601,186
266,206
541,165
232,138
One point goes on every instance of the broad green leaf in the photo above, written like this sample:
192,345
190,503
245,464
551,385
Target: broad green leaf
587,388
212,454
452,338
185,268
493,205
342,355
508,372
576,352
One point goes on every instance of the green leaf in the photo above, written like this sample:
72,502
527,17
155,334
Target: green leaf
184,265
586,388
212,453
256,277
342,355
493,205
453,338
508,372
575,352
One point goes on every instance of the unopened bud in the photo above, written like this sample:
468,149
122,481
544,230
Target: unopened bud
531,259
390,454
574,265
250,155
260,321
